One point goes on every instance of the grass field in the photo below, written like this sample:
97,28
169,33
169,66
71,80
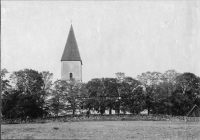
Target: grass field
141,130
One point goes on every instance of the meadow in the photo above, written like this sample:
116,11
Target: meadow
104,130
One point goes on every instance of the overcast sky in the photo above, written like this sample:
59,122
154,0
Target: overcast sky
115,36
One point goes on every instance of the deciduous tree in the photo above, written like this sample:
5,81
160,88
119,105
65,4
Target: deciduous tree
149,81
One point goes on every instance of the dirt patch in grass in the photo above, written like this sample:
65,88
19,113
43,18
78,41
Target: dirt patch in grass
56,128
104,130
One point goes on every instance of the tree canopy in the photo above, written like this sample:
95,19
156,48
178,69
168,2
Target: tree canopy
34,94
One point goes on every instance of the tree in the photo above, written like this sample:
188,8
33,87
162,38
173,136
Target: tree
111,93
120,76
29,105
29,84
166,89
131,93
119,104
149,80
72,94
137,100
136,96
9,104
28,81
124,89
57,102
4,82
187,82
46,88
187,93
96,95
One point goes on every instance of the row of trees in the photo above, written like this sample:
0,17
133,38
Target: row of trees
31,93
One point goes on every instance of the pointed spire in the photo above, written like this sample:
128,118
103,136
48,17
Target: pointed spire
71,52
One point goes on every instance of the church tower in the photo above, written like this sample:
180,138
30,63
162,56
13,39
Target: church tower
71,63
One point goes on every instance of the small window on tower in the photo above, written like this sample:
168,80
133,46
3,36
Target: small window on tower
71,76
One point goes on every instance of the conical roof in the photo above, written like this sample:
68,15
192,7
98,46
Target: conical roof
71,52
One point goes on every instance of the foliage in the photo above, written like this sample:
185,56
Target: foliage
111,92
25,97
165,89
9,104
47,86
4,82
96,96
28,81
120,76
150,80
186,94
72,95
34,94
56,102
132,95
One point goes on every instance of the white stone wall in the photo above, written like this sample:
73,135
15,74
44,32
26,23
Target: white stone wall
73,67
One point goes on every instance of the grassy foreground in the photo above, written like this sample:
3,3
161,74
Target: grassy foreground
141,130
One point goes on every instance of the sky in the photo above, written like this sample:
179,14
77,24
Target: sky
113,36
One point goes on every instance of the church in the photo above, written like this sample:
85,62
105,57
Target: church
71,63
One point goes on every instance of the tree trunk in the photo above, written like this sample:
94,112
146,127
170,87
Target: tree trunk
148,109
102,110
118,111
73,112
110,111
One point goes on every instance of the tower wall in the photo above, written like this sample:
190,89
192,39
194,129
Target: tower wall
73,67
